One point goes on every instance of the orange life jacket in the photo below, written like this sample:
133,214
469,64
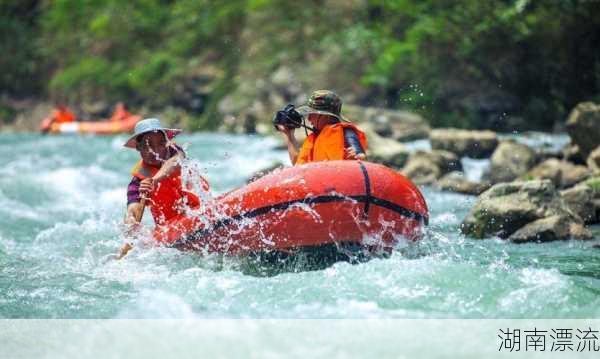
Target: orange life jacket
168,199
329,144
63,116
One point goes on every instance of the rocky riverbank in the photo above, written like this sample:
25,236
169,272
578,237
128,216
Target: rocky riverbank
536,195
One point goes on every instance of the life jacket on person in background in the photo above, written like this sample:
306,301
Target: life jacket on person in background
120,113
329,144
63,115
168,199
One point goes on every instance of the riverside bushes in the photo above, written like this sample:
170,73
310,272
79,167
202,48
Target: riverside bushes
494,64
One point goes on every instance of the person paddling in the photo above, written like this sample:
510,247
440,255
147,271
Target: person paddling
61,114
156,178
120,113
333,137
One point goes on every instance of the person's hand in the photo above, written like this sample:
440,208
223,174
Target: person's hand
351,153
147,186
285,130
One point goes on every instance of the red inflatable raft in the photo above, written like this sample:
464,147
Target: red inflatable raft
104,127
306,206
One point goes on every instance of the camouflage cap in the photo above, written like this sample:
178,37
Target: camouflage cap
323,102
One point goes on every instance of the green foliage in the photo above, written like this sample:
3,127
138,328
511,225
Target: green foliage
473,57
594,184
462,63
19,61
7,115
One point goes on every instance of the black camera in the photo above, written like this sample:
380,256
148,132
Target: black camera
287,117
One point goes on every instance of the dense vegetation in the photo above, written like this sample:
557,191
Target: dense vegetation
499,64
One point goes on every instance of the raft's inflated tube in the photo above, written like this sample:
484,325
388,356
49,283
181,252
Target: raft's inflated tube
306,206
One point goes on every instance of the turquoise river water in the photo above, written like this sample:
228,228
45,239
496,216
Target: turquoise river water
62,200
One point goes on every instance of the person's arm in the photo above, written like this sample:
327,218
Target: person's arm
133,214
170,165
354,149
134,202
292,143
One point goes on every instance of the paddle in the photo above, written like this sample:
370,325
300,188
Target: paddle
138,219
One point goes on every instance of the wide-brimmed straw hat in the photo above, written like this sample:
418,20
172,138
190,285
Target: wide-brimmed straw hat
323,102
149,125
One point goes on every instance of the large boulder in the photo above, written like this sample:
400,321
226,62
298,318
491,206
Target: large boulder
593,161
562,173
506,208
384,150
573,154
475,144
543,153
456,182
551,228
510,160
394,124
390,157
580,200
583,126
23,115
594,184
425,167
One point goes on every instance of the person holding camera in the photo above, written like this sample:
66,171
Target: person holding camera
332,137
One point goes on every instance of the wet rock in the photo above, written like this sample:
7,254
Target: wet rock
456,182
544,153
562,173
397,125
498,217
573,154
510,160
579,231
580,201
594,184
393,159
421,171
551,228
583,126
507,207
475,144
425,167
28,114
384,150
593,161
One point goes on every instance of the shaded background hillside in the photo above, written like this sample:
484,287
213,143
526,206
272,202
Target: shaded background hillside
504,65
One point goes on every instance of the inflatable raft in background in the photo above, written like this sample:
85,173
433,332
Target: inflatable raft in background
308,206
104,127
